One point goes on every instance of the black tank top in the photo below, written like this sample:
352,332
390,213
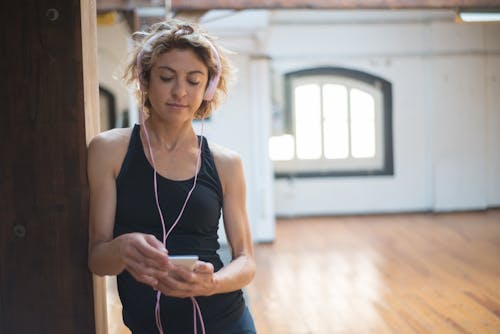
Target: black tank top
196,233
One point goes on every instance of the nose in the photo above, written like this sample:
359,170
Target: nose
179,89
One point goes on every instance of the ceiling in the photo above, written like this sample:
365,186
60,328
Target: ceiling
204,5
141,12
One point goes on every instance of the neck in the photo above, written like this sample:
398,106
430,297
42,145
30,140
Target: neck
171,136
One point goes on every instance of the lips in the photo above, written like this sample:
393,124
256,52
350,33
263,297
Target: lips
177,105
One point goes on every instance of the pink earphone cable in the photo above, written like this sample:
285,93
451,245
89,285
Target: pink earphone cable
196,307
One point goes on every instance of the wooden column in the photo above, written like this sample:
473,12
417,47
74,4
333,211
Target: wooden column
45,286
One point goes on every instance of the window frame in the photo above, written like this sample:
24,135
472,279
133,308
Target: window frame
385,87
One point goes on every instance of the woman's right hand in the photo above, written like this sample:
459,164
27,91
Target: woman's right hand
143,256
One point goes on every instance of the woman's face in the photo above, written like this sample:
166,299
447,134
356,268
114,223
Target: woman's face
177,85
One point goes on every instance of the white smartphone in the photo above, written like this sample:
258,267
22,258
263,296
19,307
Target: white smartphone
186,261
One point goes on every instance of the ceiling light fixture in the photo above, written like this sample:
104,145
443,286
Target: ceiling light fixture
480,15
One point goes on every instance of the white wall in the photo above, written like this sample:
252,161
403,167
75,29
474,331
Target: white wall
112,51
239,125
243,121
446,109
492,128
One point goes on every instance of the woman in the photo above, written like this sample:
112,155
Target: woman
158,190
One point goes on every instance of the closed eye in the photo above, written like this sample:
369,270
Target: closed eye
165,79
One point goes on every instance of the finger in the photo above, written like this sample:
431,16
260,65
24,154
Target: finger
204,267
149,280
138,268
142,270
155,243
138,260
154,246
171,286
143,265
152,256
181,273
139,250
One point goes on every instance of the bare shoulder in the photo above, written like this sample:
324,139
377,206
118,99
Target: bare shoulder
224,157
227,161
109,147
111,137
111,140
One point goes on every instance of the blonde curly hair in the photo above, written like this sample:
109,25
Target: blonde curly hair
177,34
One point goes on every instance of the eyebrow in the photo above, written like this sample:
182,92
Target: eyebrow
165,67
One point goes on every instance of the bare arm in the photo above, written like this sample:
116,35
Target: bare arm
104,256
241,270
142,255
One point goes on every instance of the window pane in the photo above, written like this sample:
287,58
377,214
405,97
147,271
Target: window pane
362,124
335,122
308,121
281,147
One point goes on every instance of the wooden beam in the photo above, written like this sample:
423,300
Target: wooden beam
45,284
92,128
332,4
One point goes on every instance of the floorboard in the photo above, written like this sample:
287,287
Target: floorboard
398,273
403,273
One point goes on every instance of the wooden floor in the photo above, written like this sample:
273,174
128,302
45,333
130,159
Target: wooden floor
407,273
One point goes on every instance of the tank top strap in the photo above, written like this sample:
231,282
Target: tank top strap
135,138
208,167
134,147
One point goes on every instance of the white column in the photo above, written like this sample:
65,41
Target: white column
262,220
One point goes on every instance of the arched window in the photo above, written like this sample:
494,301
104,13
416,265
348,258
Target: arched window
338,122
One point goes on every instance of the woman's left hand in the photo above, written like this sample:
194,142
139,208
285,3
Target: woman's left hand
182,283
